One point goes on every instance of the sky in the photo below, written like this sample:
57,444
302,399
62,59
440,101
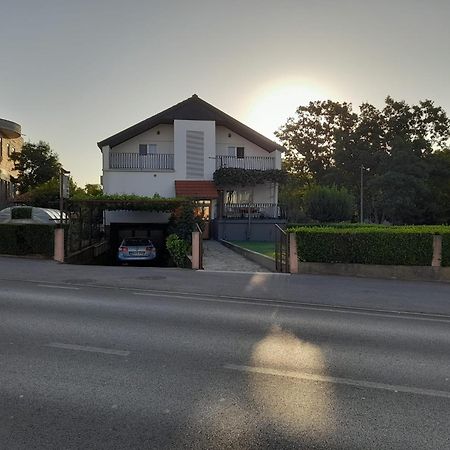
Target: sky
75,72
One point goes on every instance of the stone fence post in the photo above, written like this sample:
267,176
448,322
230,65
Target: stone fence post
196,250
59,245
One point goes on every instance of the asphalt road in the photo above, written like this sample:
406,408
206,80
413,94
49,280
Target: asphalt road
97,367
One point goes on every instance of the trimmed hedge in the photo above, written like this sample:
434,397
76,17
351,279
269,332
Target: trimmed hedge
386,245
27,239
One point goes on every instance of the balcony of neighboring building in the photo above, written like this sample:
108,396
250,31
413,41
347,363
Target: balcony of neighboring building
9,130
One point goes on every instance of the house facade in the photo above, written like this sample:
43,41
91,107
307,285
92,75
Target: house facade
176,153
10,141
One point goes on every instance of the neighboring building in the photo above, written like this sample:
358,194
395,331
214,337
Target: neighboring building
10,141
176,152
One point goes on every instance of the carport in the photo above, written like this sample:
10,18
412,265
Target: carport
106,221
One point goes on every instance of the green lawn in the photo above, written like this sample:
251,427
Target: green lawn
265,248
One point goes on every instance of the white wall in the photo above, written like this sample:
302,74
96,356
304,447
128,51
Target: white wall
140,183
209,130
163,140
135,217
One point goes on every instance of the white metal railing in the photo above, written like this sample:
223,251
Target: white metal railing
247,162
135,161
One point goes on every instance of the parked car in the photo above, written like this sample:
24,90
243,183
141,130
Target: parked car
136,249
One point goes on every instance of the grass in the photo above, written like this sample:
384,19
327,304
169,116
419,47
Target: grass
265,248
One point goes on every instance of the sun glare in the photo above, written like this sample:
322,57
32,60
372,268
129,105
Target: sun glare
274,103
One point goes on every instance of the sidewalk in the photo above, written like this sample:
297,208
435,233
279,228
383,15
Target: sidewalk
217,257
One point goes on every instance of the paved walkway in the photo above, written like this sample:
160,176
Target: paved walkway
218,257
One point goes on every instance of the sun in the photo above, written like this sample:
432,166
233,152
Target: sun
273,103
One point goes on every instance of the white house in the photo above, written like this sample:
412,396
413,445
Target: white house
176,152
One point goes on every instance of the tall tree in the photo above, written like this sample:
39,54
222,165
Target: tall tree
36,164
311,137
395,148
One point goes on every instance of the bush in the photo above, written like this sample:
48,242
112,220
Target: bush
328,204
21,212
371,245
28,239
178,249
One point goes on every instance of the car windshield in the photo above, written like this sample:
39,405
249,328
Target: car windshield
131,242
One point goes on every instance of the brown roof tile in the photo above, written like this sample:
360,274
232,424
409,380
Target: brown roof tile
202,189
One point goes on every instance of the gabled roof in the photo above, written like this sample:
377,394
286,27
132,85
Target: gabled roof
203,189
193,108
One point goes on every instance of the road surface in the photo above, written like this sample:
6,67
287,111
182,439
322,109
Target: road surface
99,367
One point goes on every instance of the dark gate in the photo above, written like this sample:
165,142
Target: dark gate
281,250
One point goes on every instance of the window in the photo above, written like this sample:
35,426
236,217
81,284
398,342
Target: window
237,152
146,149
11,150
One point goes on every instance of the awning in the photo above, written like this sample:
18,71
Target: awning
204,189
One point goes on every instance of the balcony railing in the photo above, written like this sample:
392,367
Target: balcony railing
247,162
135,161
252,210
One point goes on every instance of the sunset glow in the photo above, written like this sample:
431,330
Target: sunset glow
273,103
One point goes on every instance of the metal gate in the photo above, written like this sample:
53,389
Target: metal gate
281,250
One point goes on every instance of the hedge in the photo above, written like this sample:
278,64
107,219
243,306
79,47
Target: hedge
387,245
27,239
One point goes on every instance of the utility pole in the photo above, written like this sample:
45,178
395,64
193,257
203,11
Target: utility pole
361,212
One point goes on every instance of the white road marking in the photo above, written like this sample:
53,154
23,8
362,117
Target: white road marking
54,286
292,305
86,348
337,380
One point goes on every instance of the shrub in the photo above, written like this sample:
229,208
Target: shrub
178,249
21,212
328,204
27,239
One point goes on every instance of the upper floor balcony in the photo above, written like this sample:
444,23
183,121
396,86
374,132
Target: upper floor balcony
246,162
134,161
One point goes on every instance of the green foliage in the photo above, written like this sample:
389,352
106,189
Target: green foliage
228,176
93,190
21,212
29,239
387,245
178,249
402,148
328,204
183,220
130,202
36,164
46,195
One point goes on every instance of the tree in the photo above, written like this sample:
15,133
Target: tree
46,195
395,146
93,190
36,164
328,204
